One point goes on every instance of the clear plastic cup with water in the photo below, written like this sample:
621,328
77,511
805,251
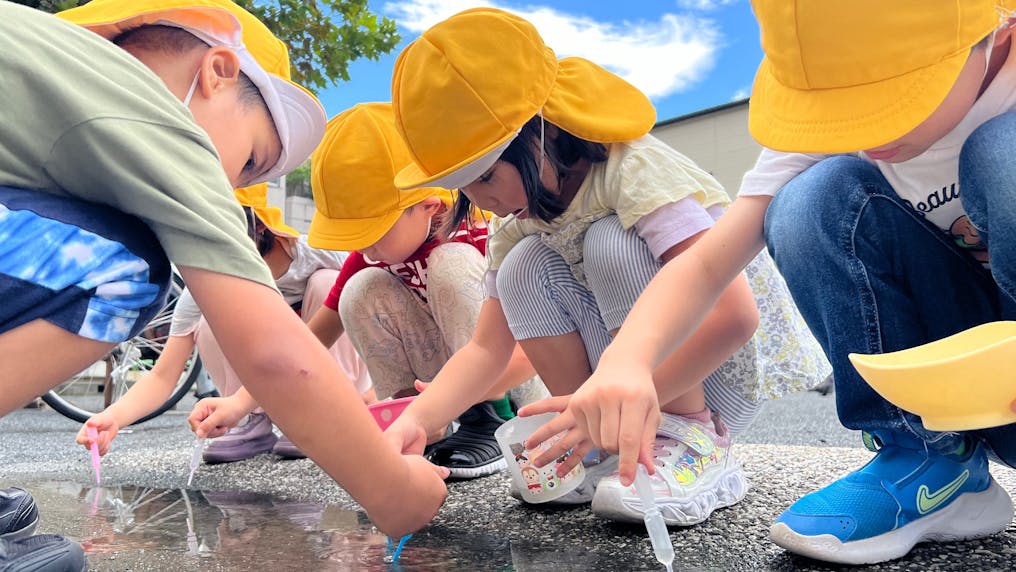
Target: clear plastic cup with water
536,484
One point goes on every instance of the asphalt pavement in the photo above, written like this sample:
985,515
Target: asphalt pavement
271,514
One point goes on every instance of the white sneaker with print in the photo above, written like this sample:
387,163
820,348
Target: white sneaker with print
695,475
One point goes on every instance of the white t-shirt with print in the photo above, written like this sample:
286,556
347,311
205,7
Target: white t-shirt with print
292,284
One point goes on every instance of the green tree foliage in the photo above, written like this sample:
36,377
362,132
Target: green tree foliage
323,35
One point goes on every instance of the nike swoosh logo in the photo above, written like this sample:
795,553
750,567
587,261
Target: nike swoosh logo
928,502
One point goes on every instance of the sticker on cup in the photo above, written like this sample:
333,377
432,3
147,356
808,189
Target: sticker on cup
536,484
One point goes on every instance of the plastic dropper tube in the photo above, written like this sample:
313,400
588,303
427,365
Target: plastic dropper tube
93,434
195,460
658,534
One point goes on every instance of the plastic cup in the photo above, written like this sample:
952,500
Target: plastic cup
536,484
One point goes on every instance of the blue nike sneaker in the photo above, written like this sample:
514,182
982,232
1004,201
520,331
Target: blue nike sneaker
905,495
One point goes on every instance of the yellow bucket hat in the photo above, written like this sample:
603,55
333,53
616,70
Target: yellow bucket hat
464,88
298,116
848,76
352,174
256,197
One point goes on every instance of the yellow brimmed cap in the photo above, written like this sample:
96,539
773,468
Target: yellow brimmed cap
298,116
352,174
849,76
464,88
256,197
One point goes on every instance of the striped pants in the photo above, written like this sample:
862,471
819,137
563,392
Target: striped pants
541,297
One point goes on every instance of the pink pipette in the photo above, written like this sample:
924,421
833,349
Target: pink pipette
93,434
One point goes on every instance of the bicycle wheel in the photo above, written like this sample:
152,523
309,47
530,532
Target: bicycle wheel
107,380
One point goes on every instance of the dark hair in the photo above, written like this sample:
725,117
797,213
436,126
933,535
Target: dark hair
263,237
177,41
563,152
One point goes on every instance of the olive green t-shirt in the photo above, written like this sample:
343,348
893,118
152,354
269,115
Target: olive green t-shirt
80,117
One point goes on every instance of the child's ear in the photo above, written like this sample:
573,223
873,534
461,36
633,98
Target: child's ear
220,68
431,205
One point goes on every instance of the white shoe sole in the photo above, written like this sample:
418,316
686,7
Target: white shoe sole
730,488
971,515
476,472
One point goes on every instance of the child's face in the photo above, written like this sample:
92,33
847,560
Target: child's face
946,117
410,231
243,135
499,191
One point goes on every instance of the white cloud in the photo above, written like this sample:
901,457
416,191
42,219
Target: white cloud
741,94
660,57
704,5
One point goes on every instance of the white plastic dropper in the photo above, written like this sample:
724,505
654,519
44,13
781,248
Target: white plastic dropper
195,459
658,534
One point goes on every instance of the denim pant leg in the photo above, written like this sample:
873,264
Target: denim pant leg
871,275
988,183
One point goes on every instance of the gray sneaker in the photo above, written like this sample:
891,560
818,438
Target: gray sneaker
250,438
598,464
18,513
42,553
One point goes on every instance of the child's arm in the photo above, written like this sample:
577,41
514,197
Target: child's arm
145,396
518,370
464,380
662,324
326,325
302,388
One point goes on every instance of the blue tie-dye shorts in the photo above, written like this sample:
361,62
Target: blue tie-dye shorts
87,268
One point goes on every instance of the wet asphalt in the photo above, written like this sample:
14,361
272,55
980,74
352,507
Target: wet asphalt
240,516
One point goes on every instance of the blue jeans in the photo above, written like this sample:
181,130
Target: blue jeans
871,275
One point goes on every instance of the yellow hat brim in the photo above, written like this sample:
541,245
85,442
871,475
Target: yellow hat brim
586,100
272,218
349,234
847,119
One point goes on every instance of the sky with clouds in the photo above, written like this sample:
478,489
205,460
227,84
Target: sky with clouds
686,55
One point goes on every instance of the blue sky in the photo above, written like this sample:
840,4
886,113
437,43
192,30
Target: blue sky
687,55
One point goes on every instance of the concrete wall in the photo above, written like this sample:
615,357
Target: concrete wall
299,211
717,139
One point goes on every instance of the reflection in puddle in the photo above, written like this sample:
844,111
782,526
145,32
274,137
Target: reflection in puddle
135,528
240,530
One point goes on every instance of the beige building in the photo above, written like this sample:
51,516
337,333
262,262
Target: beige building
717,139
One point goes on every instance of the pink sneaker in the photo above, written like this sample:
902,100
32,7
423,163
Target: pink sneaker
250,438
695,475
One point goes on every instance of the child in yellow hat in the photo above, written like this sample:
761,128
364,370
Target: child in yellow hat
427,284
304,275
121,156
588,207
895,229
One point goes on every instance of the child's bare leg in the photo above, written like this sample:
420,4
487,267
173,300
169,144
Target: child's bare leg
27,365
560,360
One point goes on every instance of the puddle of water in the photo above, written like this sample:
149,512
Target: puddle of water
136,528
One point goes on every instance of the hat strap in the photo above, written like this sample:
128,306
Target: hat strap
543,150
193,86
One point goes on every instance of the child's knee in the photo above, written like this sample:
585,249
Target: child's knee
453,264
526,269
364,291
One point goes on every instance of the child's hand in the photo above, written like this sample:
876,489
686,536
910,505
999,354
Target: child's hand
423,494
616,411
106,428
213,416
407,435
